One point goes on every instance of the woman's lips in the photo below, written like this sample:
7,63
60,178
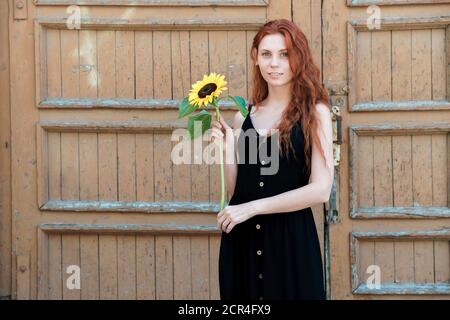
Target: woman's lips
275,75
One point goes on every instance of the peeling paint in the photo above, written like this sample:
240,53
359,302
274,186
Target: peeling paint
125,103
401,105
153,3
167,228
129,13
405,288
402,212
131,206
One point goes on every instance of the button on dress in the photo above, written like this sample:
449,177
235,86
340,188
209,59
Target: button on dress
273,256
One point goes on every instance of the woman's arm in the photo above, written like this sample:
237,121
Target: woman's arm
321,180
230,169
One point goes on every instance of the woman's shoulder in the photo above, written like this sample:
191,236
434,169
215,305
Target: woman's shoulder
322,109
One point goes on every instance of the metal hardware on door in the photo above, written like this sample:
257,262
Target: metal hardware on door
332,207
335,90
23,269
337,131
20,10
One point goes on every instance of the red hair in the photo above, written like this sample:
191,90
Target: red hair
307,87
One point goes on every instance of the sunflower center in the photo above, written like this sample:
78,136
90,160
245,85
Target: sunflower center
206,90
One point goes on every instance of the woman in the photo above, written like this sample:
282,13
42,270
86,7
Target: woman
269,247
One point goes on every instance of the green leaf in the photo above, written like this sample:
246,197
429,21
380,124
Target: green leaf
240,103
205,118
185,108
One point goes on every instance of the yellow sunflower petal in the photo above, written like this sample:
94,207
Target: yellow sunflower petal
213,78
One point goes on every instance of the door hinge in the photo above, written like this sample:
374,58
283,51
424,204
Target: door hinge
338,90
20,10
332,206
337,131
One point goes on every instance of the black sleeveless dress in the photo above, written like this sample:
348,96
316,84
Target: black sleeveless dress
272,256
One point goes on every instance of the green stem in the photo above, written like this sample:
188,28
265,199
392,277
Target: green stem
222,174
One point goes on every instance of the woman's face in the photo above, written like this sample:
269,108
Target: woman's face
273,60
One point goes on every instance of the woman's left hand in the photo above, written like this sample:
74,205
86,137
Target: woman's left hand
233,215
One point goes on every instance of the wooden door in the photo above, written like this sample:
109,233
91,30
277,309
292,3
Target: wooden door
95,196
5,157
392,82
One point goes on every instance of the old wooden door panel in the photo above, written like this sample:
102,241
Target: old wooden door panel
5,156
395,213
93,184
411,55
129,266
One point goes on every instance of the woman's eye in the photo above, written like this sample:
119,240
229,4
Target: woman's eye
285,54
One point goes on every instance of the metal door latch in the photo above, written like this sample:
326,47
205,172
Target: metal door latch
332,206
337,133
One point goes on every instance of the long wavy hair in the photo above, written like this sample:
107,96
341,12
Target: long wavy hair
307,87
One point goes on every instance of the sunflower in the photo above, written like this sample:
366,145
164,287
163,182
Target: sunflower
204,91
